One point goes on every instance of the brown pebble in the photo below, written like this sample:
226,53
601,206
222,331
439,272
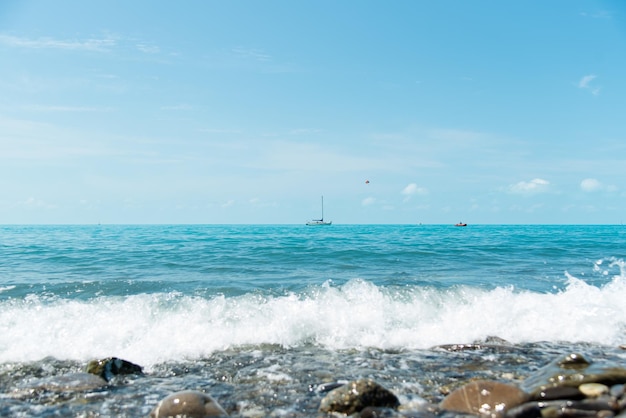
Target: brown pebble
484,397
188,404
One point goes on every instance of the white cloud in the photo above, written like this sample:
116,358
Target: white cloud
103,44
590,185
594,185
258,203
148,49
368,201
228,204
32,203
250,53
413,189
303,131
600,14
49,43
529,187
59,108
585,83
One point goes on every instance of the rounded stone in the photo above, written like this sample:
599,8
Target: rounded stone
356,396
593,390
573,360
189,404
112,366
485,398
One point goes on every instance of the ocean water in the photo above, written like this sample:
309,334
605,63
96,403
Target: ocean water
260,316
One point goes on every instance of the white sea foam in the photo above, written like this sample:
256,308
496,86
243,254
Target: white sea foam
151,328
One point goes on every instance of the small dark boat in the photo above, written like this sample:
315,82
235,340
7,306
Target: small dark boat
461,224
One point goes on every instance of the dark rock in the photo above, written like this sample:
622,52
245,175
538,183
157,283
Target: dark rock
356,396
552,412
565,408
525,410
603,404
459,347
188,404
109,367
378,412
558,392
490,343
484,397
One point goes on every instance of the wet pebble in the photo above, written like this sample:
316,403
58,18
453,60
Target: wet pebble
593,390
188,404
356,396
484,397
112,366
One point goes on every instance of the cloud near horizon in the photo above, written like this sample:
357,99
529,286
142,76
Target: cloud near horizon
413,189
594,185
368,201
529,187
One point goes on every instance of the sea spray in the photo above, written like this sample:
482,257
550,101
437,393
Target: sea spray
149,328
260,316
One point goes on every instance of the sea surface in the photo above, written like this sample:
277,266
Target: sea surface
262,316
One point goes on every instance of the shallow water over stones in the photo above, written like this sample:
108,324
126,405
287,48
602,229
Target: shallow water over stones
270,380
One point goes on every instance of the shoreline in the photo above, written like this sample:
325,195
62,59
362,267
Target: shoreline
271,379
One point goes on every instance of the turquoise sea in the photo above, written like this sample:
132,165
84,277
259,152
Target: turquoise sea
260,315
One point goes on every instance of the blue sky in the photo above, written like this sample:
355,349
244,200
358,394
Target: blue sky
249,111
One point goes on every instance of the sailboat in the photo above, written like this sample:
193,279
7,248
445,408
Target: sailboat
320,221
